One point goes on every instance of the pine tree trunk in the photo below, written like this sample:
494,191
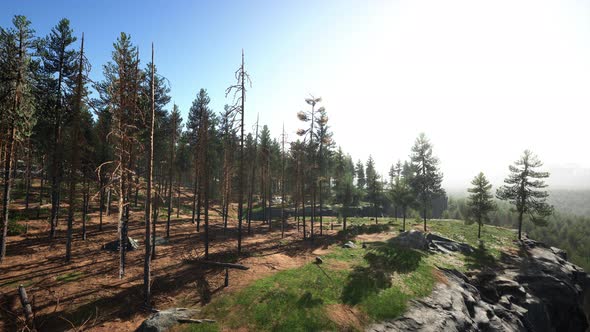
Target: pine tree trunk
425,217
252,176
199,206
269,203
6,195
85,209
41,186
56,162
148,201
479,229
178,196
101,204
170,176
195,192
155,215
283,187
404,227
169,208
28,178
321,205
121,203
204,180
109,201
303,211
136,189
206,198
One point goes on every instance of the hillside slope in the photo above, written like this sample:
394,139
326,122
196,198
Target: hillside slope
444,280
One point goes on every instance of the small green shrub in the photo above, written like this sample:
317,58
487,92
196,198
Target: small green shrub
15,228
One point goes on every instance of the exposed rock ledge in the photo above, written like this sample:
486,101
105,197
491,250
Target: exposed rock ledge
537,291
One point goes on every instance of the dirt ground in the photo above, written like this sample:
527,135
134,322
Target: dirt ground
88,295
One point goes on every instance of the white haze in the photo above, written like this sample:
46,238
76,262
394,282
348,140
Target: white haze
483,79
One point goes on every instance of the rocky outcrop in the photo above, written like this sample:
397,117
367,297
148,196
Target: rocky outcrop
114,245
441,244
411,239
455,305
538,290
417,240
163,320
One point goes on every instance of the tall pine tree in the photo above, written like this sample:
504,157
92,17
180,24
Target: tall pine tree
522,189
427,178
480,201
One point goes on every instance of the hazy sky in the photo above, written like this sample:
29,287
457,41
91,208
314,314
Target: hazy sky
483,79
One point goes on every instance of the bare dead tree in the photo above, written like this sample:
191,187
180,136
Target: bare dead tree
241,77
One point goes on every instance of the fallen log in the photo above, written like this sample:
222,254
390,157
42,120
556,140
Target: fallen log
227,265
24,300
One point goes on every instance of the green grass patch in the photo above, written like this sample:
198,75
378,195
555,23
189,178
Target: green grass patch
488,250
298,299
16,283
16,228
494,239
378,281
72,276
202,327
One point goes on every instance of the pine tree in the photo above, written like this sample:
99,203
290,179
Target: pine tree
309,134
395,173
522,190
148,197
401,193
360,176
427,179
119,92
199,107
59,62
344,186
326,143
264,157
74,149
254,157
175,131
17,103
373,186
480,201
283,161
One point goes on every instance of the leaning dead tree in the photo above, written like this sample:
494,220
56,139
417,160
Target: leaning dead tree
239,96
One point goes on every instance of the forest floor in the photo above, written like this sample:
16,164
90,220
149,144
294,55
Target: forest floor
87,293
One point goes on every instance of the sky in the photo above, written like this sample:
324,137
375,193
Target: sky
484,80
